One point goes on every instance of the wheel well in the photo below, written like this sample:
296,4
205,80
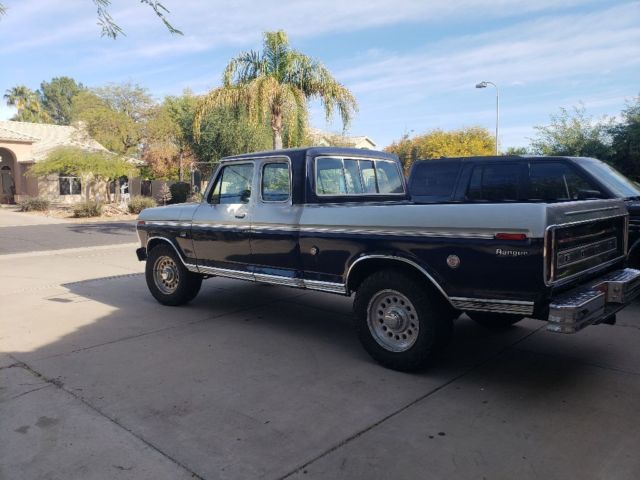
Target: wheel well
154,242
367,267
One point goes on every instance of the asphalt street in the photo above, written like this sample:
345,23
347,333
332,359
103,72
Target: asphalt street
97,380
33,238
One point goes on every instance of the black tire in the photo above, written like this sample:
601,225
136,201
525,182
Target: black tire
495,321
423,310
180,287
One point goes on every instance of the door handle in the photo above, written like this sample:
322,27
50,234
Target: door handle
240,215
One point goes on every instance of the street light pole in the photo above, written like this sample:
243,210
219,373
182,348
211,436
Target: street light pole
485,85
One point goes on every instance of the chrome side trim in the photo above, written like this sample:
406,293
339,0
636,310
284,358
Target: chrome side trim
162,223
326,286
398,259
190,266
222,226
279,280
489,305
396,232
592,210
224,272
273,279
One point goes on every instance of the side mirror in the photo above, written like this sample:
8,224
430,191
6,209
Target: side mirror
245,196
585,194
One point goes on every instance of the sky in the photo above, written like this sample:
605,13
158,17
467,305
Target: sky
412,64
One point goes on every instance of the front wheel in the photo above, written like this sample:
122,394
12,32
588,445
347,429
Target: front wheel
399,322
168,279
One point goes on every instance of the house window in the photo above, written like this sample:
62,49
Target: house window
69,185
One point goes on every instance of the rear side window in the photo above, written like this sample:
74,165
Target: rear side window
555,181
495,183
276,186
350,176
434,180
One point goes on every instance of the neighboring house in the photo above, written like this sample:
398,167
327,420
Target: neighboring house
321,138
22,144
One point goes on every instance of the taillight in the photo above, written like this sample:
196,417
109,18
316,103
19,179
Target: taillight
140,223
511,236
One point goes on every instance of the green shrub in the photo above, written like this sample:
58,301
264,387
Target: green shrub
195,197
37,204
179,192
139,203
87,209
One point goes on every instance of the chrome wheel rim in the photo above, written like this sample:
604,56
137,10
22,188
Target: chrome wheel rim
393,321
166,275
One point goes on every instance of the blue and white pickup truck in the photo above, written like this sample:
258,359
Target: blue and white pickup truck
343,221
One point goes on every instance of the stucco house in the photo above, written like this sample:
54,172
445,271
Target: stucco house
325,139
22,144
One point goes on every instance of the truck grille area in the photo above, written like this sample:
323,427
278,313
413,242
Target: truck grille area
585,246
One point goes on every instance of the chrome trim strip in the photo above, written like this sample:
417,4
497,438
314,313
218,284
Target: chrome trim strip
398,232
326,286
163,223
224,272
490,305
399,259
279,280
592,210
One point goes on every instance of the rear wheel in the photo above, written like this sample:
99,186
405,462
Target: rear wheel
399,322
495,321
168,280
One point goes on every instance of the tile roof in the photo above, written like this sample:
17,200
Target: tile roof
45,137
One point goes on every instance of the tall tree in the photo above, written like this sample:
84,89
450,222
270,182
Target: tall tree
222,132
57,96
274,85
114,130
27,102
464,142
573,133
625,137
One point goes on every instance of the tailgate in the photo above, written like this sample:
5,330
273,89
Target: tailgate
583,237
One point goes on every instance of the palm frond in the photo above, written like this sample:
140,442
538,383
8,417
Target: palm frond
244,68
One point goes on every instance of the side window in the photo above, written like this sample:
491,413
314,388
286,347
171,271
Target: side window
494,183
330,177
434,180
276,185
389,180
368,176
349,176
553,181
233,184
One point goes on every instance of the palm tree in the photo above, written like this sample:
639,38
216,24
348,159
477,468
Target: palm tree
27,102
19,96
276,84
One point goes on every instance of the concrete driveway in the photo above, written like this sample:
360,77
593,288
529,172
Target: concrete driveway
249,381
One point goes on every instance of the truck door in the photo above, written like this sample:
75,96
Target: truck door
221,225
274,224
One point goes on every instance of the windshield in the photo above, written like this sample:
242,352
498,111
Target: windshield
620,185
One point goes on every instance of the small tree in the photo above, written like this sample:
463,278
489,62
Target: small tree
165,194
89,166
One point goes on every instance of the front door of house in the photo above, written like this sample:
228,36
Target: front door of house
7,185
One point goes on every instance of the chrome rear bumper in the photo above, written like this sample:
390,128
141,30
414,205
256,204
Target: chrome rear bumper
593,302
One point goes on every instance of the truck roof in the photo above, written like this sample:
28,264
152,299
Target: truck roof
303,152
